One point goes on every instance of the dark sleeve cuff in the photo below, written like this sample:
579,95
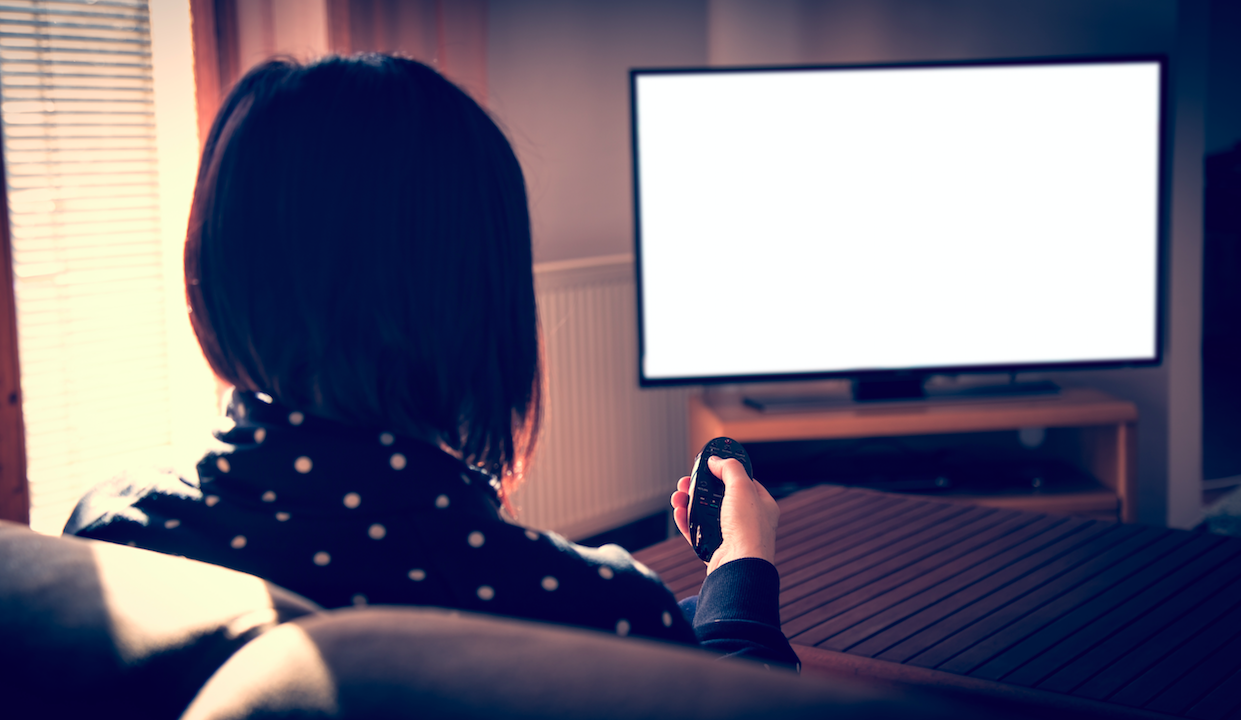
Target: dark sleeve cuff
745,589
738,614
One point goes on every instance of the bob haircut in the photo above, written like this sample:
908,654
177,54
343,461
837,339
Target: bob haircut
359,248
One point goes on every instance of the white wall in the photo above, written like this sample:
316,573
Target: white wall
1183,362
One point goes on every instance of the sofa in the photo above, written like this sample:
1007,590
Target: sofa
91,629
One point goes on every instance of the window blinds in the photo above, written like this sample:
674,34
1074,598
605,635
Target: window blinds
82,180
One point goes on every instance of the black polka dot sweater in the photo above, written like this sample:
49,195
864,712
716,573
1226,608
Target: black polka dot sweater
353,516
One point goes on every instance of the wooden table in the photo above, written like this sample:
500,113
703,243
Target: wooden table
1073,613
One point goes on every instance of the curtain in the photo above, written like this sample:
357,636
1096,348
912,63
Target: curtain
230,36
14,493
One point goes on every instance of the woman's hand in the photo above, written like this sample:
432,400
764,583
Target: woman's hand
748,515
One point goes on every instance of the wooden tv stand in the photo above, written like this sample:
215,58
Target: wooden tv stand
1099,436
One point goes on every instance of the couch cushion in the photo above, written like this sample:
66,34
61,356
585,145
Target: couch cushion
94,628
384,662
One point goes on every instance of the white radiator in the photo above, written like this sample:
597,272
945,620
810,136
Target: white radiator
610,453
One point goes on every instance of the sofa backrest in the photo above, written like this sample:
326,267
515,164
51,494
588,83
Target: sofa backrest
420,662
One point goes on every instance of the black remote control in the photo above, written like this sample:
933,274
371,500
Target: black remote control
706,495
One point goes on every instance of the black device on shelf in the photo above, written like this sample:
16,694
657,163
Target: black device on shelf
895,465
884,223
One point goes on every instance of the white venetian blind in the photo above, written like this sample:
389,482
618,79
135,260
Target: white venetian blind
89,264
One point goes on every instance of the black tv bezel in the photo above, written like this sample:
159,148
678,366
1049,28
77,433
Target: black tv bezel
1163,203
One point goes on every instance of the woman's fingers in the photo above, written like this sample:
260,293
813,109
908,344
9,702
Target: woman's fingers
748,516
769,503
681,518
680,507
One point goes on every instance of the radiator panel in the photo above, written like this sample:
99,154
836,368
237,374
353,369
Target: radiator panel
610,453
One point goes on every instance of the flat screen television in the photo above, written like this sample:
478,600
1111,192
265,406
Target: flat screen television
889,222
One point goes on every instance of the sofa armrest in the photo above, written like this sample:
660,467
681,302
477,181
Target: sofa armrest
90,628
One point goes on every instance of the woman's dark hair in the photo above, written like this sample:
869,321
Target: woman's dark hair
359,248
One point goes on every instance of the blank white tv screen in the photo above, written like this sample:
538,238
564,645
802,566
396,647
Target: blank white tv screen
838,220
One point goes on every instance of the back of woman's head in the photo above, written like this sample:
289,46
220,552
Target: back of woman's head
359,247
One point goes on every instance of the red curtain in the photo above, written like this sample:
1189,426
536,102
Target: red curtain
14,493
450,35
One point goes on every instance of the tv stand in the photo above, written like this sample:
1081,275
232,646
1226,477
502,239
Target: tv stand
1086,428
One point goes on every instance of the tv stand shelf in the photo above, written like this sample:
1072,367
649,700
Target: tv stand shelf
1102,430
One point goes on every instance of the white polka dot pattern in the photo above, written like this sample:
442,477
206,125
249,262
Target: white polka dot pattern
347,556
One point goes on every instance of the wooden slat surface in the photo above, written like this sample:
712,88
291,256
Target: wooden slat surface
1139,618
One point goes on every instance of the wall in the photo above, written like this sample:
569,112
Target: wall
1224,77
1221,294
557,80
587,476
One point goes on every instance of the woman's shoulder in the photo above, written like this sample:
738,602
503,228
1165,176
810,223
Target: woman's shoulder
122,499
607,561
543,576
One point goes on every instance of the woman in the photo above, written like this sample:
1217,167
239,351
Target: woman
358,266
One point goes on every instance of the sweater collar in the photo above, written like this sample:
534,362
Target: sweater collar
307,458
